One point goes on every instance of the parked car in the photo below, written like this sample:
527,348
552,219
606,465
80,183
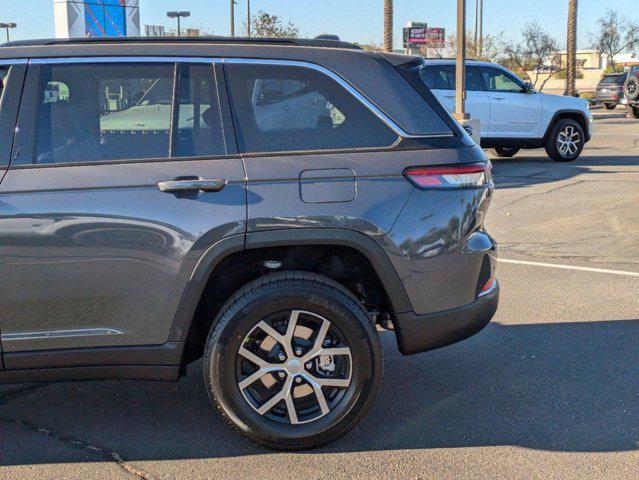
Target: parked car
631,91
609,90
263,204
512,114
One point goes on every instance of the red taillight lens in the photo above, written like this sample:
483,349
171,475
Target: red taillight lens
463,175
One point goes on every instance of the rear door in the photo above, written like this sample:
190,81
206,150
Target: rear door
441,80
121,176
11,81
513,112
320,165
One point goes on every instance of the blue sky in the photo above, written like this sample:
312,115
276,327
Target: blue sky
352,20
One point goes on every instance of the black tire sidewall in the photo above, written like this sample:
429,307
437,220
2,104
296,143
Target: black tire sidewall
506,152
344,314
551,143
633,111
610,106
635,81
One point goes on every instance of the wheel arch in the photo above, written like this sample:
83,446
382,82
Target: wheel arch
577,115
215,255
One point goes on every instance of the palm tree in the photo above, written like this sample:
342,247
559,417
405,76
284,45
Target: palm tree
571,54
388,25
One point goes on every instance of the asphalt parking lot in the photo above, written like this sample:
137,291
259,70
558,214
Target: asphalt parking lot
549,390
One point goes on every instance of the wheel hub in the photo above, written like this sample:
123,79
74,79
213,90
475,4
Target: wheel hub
294,366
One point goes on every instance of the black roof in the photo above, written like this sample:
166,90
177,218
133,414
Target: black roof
300,42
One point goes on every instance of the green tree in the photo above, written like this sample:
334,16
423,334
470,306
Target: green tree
271,26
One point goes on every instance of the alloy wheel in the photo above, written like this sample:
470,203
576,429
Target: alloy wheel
294,367
568,141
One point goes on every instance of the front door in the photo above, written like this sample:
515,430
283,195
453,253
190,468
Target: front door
119,171
514,113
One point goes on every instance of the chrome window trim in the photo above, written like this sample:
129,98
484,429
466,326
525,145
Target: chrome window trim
344,84
397,129
124,59
14,61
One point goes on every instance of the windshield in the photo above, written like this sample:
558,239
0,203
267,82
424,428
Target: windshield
612,79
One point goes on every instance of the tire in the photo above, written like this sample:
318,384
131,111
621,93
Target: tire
631,88
565,141
273,300
610,106
633,111
506,152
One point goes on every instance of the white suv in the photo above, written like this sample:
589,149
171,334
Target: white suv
512,114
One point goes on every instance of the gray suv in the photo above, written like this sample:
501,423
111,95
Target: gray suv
268,205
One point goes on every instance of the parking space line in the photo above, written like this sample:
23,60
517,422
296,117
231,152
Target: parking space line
570,267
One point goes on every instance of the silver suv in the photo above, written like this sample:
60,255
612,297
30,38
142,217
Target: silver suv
266,205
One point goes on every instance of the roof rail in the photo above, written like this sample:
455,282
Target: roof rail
300,42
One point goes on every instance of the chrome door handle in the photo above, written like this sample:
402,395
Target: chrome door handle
177,186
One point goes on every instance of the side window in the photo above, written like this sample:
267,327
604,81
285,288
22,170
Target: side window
443,77
498,81
474,80
437,77
4,72
199,130
90,113
282,108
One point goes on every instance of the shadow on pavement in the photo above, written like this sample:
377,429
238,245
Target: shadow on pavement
560,387
524,170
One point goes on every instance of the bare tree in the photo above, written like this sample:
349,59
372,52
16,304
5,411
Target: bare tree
388,25
536,49
492,49
265,25
571,57
615,35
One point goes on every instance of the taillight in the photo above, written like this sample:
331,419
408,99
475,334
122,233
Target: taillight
465,175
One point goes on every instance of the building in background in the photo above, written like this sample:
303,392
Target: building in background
96,18
154,31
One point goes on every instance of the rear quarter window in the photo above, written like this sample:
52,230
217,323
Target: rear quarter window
281,108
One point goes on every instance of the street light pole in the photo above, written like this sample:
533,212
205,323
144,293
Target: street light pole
8,26
178,16
232,18
460,73
481,28
248,17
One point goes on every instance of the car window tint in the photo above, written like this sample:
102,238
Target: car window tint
498,81
4,71
443,77
282,108
199,131
436,77
90,113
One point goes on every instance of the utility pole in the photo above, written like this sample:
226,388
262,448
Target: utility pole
248,17
460,74
232,18
476,31
480,46
8,26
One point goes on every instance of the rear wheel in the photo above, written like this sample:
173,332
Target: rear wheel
565,141
633,111
293,362
506,152
610,106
